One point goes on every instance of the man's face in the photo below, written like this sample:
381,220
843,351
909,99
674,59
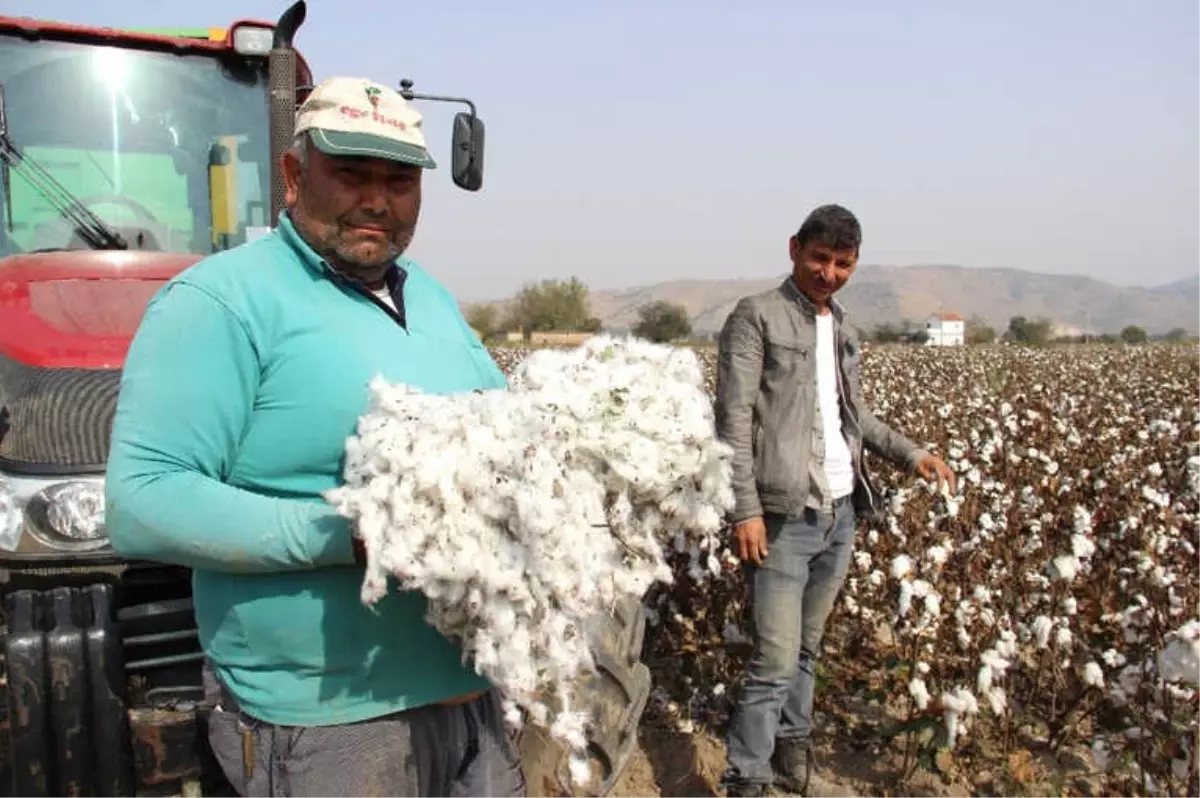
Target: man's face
360,212
820,271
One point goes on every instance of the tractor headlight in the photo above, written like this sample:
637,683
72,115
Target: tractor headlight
10,516
65,517
68,516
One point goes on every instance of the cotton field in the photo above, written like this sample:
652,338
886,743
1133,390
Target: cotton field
1039,630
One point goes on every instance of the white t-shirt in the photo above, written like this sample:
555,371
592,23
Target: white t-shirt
385,296
839,468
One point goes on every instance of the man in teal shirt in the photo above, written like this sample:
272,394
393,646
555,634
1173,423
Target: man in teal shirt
248,373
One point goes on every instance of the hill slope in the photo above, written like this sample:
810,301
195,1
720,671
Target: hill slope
892,294
1188,287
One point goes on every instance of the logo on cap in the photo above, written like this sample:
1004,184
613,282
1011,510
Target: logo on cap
372,93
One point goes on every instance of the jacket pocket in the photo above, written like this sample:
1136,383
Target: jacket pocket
784,358
781,469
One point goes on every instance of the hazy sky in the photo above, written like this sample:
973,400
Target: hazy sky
632,143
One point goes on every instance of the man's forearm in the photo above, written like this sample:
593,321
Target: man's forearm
889,444
192,520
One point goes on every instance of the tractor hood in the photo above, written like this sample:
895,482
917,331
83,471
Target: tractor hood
78,309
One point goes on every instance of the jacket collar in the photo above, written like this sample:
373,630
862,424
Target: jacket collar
792,291
847,340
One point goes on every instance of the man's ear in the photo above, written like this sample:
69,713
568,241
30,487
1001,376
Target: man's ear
292,173
794,248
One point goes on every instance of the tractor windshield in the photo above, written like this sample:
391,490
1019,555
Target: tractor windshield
169,151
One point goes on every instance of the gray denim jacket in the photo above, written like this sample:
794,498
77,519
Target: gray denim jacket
766,401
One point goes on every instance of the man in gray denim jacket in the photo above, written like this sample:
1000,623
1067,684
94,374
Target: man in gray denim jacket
789,401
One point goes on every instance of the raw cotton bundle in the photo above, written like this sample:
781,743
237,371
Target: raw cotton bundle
520,514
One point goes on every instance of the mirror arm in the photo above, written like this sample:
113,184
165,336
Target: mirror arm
407,93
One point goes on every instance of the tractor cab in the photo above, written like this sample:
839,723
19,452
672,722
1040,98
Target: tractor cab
116,147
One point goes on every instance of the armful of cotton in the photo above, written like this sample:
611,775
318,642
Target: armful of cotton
520,514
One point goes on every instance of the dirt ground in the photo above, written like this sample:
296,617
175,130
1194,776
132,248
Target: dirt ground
670,763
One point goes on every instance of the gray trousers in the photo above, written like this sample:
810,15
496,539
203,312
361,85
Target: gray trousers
460,750
792,594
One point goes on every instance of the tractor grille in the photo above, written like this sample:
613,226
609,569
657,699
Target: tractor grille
56,420
104,677
163,657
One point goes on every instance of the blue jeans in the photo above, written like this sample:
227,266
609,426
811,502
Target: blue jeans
792,595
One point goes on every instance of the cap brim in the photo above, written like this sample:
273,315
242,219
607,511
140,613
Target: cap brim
364,145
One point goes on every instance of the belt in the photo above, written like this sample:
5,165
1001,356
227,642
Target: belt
462,699
228,703
833,505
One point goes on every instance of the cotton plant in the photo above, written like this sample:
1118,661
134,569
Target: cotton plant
521,514
1065,566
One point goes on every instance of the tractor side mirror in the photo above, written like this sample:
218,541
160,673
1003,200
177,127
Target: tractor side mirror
466,152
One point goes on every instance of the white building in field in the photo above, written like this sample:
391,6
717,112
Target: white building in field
945,329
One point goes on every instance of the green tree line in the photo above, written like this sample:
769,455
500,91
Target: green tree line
564,306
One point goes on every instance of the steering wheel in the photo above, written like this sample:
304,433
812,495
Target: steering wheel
55,233
116,199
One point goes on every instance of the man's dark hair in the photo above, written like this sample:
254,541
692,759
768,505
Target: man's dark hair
833,226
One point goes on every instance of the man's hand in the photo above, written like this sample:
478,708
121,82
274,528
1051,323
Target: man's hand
935,469
751,537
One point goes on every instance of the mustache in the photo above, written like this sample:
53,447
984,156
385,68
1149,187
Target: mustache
383,222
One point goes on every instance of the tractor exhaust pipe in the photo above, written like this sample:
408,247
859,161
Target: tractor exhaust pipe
281,87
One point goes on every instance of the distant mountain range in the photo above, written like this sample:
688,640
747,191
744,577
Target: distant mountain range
1188,287
893,294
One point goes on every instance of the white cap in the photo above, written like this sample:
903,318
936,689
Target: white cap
362,118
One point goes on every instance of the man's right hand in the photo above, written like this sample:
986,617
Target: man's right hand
751,537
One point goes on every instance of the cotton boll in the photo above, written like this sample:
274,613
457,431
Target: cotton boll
1064,568
902,565
919,692
1180,660
1041,630
1063,637
580,769
569,727
523,514
955,705
997,699
512,713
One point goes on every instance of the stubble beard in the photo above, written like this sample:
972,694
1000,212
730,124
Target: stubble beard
349,254
329,242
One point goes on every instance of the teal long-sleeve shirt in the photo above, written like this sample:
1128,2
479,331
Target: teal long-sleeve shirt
246,376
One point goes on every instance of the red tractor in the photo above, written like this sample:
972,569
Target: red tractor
125,157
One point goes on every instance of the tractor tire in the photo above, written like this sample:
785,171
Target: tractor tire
615,696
